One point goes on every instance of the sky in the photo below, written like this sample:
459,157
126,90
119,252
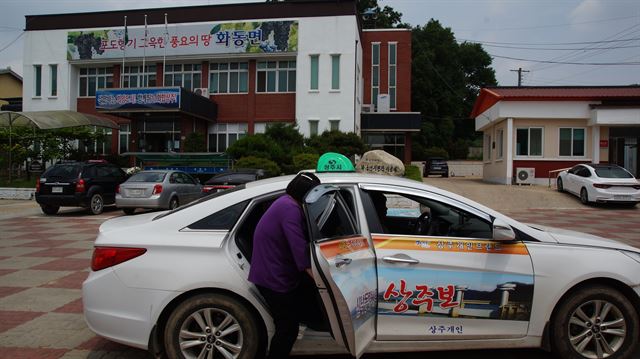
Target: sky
559,42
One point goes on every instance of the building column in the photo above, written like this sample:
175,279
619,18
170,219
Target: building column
595,144
509,154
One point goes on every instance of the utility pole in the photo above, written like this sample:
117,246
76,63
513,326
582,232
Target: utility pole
519,71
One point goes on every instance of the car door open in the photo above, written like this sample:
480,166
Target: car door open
343,263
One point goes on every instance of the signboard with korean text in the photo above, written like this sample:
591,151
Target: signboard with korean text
165,98
184,39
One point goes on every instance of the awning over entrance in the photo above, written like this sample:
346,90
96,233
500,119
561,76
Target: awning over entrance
53,119
391,121
132,102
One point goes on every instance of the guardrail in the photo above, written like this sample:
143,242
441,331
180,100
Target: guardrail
555,172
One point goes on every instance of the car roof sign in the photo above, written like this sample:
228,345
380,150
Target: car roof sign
334,162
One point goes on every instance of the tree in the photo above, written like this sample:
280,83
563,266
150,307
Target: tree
375,17
348,144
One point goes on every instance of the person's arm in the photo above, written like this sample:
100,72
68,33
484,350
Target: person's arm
293,229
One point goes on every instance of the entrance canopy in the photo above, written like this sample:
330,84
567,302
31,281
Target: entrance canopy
53,119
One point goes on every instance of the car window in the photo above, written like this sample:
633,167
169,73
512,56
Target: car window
331,216
574,169
89,171
210,197
103,171
613,172
173,178
584,172
222,220
63,170
115,171
148,177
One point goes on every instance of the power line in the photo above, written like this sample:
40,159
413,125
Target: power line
569,63
12,42
548,43
562,49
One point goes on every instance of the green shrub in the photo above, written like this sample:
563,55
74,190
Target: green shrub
305,161
412,172
195,142
348,144
259,145
271,168
459,149
435,152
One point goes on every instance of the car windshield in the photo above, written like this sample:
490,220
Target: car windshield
438,161
64,171
148,177
612,172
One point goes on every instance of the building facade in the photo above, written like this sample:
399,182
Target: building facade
223,71
540,130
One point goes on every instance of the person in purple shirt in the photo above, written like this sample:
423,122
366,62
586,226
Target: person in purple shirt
280,259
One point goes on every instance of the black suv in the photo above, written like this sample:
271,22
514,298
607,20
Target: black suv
90,184
436,166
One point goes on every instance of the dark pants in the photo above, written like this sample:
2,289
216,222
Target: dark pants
285,310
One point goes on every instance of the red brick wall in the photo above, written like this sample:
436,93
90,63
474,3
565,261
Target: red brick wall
543,167
403,60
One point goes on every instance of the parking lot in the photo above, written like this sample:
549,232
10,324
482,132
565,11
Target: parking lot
45,259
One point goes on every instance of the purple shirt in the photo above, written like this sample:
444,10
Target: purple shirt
280,249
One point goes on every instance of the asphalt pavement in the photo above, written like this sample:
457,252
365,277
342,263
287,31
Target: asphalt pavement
45,259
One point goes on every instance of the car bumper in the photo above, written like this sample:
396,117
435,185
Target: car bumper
119,313
150,202
602,196
71,200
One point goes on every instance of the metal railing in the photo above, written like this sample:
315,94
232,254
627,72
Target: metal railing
555,173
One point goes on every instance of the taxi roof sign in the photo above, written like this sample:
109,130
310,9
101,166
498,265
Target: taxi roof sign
334,162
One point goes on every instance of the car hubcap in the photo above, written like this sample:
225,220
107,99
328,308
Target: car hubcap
96,203
211,332
597,329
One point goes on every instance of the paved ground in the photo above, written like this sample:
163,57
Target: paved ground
44,260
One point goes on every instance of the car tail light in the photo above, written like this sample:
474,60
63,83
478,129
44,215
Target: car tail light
157,189
600,185
105,257
80,185
118,189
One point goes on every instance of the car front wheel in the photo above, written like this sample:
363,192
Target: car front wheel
595,322
212,326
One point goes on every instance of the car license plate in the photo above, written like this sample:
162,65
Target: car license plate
136,192
436,167
622,196
56,190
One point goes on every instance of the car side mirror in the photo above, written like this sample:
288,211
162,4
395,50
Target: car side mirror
502,231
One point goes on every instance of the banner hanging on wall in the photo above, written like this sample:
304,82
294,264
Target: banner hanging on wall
140,99
184,39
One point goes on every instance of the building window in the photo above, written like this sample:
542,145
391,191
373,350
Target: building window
102,144
334,125
529,141
37,80
134,77
572,142
53,69
315,72
499,144
335,72
93,78
229,77
276,76
393,143
125,133
375,73
487,147
188,76
223,135
313,127
393,51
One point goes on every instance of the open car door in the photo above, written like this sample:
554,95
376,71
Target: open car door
343,263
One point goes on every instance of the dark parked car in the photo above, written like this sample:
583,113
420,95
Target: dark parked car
231,178
90,184
436,166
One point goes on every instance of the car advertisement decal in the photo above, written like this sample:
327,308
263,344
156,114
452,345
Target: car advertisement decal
357,280
446,244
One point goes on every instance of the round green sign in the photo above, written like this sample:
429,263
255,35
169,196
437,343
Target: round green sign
334,162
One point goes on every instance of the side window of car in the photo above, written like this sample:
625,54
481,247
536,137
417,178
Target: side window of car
173,178
224,219
102,171
336,221
115,172
584,172
89,172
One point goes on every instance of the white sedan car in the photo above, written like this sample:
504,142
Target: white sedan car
600,183
436,271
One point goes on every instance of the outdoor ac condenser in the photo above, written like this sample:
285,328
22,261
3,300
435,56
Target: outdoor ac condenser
525,175
202,91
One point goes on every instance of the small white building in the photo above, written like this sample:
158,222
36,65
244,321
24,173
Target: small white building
529,132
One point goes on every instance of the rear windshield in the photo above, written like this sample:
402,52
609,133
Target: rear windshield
148,177
202,199
63,171
438,160
612,172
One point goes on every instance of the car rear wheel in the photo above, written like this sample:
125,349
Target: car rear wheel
173,204
595,322
559,185
212,326
129,211
96,204
584,196
49,210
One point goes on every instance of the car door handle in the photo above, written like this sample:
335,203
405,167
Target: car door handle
341,262
400,260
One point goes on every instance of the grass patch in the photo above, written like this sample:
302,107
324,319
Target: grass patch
413,172
18,182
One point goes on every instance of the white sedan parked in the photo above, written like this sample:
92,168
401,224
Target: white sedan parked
600,183
435,272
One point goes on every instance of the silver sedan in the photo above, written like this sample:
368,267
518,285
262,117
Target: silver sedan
157,190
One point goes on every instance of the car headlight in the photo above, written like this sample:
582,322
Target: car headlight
633,255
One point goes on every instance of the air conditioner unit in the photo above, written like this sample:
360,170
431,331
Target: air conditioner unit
525,175
202,91
367,108
383,103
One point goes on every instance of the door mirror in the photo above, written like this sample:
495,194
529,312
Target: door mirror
502,231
